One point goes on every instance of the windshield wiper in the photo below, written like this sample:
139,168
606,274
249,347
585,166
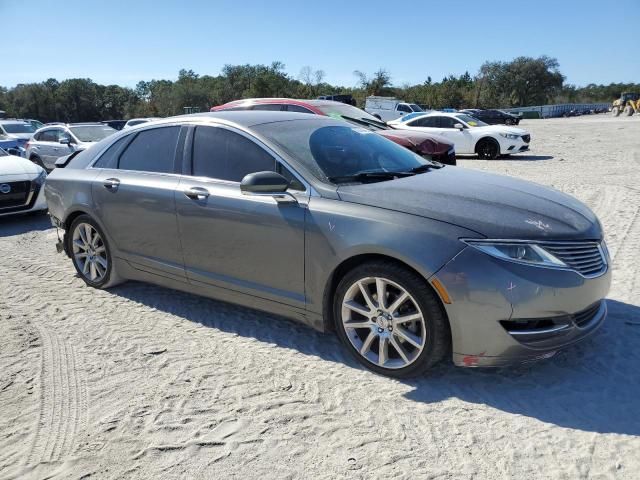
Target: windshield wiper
367,122
376,175
426,167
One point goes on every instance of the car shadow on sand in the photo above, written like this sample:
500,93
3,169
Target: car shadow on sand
593,386
510,158
19,224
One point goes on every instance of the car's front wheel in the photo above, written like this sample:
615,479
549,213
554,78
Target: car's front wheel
90,253
488,149
390,320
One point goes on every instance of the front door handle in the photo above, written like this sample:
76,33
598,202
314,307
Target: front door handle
111,184
197,193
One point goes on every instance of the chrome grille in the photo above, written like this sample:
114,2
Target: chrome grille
584,257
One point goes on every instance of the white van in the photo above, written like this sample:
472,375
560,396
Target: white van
389,108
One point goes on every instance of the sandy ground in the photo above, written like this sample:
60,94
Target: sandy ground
143,382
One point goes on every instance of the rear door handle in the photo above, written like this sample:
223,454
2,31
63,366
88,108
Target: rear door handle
197,193
111,184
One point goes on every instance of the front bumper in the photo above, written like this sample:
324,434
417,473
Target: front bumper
509,146
34,200
448,157
504,313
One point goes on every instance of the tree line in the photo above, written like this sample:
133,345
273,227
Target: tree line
524,81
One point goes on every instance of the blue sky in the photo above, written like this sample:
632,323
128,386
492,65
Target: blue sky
122,42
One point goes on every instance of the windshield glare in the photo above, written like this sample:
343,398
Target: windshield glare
18,128
416,108
92,133
471,121
339,150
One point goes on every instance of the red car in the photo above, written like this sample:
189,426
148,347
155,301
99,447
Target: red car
424,144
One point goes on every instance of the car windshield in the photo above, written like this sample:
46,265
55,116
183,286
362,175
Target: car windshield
331,151
92,133
18,127
471,121
409,116
416,108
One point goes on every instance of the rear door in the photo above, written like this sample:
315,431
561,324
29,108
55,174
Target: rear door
248,244
134,198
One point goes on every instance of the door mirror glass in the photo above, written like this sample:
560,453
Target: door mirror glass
65,140
266,183
459,126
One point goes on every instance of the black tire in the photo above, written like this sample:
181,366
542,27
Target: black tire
488,149
35,159
438,336
110,278
628,110
615,111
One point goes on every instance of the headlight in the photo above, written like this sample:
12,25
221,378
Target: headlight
510,136
41,178
519,252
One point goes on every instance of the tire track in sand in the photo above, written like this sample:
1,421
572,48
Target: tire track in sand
63,402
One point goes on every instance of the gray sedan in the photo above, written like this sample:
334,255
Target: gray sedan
312,218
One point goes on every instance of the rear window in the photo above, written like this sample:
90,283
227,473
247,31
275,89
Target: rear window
151,151
92,133
18,127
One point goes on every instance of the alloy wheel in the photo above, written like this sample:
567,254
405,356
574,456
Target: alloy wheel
383,322
89,252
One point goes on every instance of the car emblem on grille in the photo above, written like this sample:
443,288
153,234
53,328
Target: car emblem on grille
5,188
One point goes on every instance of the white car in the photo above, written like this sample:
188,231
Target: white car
21,183
138,121
59,140
470,135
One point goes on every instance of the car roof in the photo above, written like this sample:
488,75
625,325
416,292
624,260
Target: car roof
4,122
289,101
246,118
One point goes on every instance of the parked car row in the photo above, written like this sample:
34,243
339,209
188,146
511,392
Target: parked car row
319,217
429,145
468,134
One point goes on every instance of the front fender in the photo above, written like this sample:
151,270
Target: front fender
337,231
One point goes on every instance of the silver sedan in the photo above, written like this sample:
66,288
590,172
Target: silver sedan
312,218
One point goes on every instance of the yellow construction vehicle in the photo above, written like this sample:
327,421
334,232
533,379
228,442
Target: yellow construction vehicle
628,103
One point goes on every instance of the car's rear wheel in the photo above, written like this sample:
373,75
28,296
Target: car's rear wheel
90,253
488,149
390,320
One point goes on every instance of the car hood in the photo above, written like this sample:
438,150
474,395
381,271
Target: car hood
423,143
12,165
494,206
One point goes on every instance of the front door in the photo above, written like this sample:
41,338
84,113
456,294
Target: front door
248,244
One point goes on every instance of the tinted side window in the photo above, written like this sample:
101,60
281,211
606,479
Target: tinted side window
404,108
273,107
447,122
151,151
425,122
298,108
49,135
225,155
109,159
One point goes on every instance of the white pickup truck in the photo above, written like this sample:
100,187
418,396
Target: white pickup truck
389,108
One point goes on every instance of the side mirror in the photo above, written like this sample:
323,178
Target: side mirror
266,184
65,141
459,126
